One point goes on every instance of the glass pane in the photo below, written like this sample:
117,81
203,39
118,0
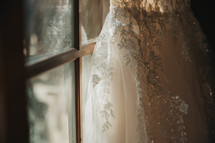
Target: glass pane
93,14
51,106
48,27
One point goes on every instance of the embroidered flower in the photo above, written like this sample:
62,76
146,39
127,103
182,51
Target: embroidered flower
96,79
183,107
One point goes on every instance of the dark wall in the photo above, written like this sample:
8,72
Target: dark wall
204,10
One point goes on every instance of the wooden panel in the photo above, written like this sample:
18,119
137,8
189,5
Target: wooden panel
77,69
37,67
33,69
11,37
2,100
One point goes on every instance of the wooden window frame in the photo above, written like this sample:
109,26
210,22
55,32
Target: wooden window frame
14,72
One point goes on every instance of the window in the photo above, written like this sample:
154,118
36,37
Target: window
52,66
43,49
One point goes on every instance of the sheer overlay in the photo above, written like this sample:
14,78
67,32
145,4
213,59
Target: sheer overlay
151,78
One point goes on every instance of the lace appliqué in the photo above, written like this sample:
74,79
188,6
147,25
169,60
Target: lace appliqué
96,79
152,97
103,76
140,36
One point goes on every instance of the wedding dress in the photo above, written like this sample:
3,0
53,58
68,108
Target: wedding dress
151,79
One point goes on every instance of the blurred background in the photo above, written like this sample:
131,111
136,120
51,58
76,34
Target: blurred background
205,13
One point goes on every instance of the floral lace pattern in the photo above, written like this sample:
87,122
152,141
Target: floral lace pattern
141,34
149,69
104,74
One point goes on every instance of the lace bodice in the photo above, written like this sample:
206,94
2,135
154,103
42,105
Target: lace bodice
153,5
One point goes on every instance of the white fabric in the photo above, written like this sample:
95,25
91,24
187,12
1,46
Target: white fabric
148,81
